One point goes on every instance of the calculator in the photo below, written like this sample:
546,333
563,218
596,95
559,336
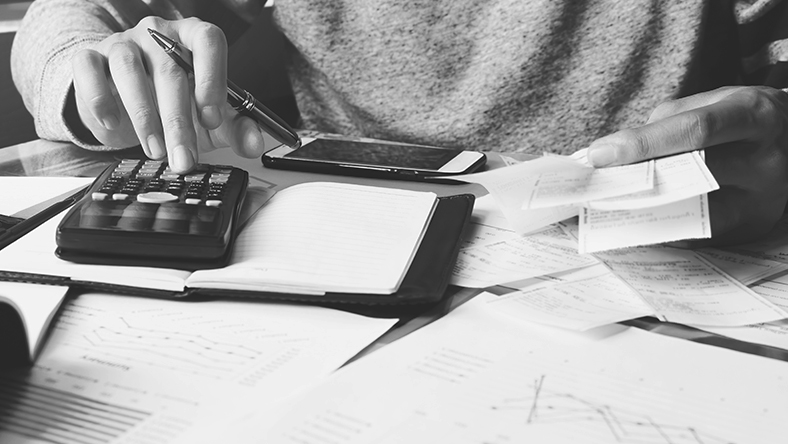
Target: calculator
140,212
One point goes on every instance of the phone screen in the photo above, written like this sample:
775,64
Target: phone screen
377,154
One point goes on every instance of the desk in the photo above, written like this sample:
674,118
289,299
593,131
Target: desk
59,159
45,158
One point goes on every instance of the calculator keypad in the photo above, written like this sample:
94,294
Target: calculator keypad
146,195
140,212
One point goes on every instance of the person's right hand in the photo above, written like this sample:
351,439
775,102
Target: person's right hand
129,92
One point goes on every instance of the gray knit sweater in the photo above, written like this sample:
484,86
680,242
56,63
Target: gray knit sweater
506,75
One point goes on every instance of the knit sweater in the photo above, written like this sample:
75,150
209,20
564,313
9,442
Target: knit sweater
505,75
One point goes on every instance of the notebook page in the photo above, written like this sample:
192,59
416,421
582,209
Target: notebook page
327,237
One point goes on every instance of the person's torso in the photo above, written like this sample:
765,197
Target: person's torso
511,75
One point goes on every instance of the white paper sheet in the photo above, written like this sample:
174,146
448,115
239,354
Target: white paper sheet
546,251
36,305
676,178
476,376
577,184
36,189
506,185
122,370
607,230
682,286
581,300
775,290
745,269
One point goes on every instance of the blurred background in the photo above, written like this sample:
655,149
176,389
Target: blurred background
16,124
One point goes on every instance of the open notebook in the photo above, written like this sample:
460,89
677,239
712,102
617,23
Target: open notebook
325,241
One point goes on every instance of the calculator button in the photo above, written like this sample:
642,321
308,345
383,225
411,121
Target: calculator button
192,201
120,196
156,197
99,196
173,218
213,203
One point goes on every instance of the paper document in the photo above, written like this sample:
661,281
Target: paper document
745,269
775,290
476,376
36,189
608,230
546,251
582,300
507,185
676,178
684,287
576,184
648,203
36,306
138,370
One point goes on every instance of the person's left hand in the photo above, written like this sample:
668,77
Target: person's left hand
744,131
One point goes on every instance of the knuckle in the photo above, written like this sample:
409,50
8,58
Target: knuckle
102,101
123,58
633,145
168,69
178,123
211,33
143,116
697,128
150,22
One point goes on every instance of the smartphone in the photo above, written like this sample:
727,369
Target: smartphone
374,159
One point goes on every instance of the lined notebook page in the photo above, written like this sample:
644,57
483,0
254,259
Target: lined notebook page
327,237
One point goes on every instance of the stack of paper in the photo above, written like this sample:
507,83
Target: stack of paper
543,275
647,203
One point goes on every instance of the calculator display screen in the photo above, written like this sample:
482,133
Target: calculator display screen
377,154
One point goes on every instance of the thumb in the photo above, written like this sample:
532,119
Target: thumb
711,125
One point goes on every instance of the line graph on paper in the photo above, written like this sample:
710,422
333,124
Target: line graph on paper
192,344
553,407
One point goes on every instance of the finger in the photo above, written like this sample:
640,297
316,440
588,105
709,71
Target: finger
128,72
240,133
698,128
673,107
174,98
209,50
92,87
252,141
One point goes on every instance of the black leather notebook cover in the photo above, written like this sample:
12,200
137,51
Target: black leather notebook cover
425,282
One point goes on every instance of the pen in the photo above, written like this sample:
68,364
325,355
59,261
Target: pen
25,226
240,99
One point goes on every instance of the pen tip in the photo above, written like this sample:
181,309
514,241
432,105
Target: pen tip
161,39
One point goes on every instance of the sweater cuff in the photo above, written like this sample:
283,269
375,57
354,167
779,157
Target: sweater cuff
53,108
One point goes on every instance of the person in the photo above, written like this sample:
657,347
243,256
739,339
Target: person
630,79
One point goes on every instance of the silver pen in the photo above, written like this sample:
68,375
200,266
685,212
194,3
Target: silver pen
240,99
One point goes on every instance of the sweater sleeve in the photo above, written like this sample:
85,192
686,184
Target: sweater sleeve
50,34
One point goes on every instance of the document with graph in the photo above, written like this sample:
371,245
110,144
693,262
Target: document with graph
121,369
474,377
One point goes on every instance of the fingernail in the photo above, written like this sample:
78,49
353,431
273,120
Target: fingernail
602,155
156,147
110,122
182,159
211,116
